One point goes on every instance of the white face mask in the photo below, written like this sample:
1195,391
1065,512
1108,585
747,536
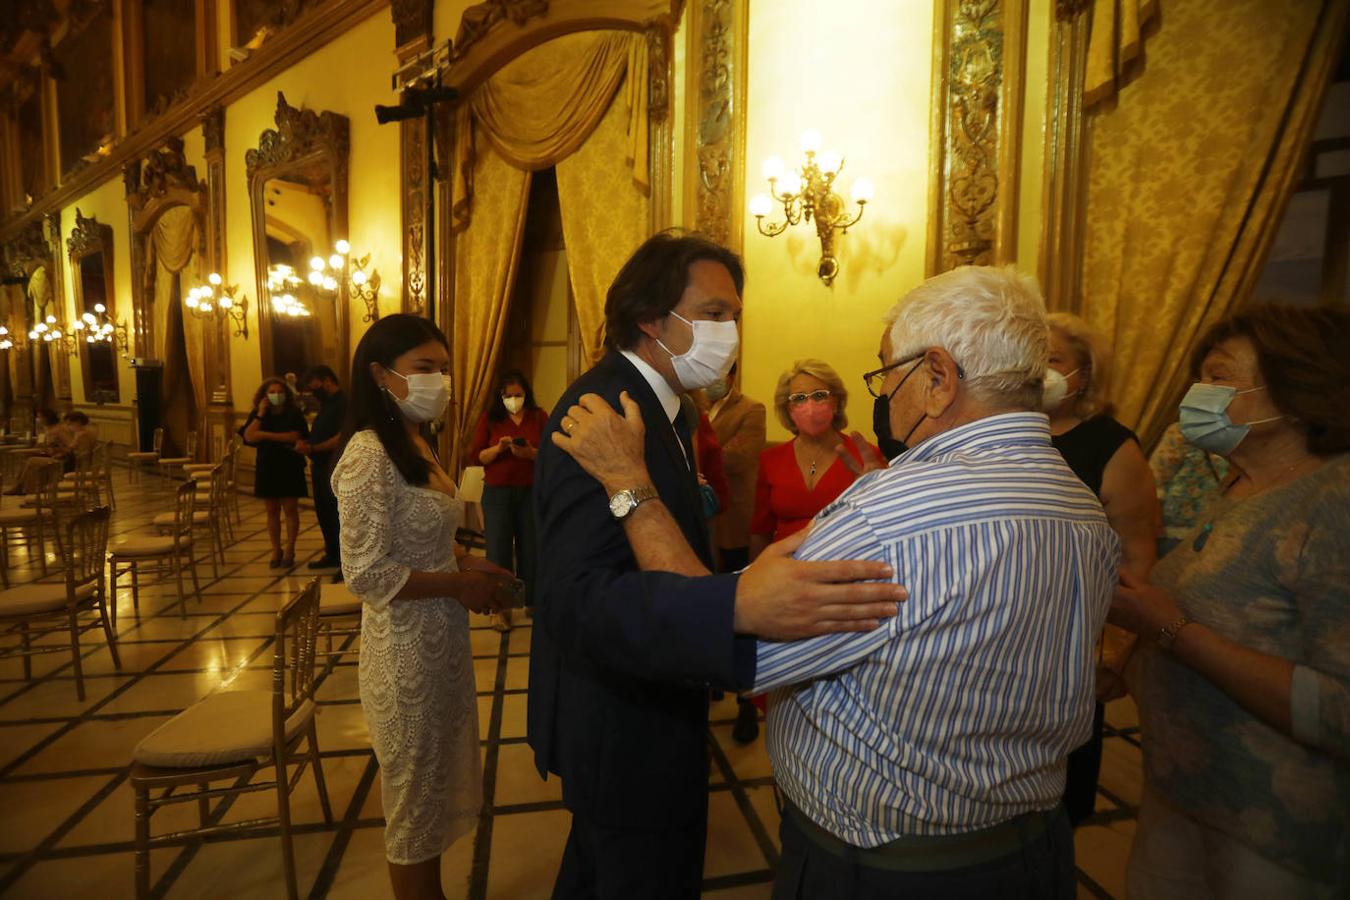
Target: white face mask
513,404
276,399
1056,389
711,355
428,395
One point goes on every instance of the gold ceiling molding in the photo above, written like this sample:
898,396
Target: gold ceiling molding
318,27
715,121
979,49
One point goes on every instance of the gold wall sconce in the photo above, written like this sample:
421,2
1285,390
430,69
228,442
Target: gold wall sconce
282,283
220,301
362,280
51,331
8,341
97,328
808,195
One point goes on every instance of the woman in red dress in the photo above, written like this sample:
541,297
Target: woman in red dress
799,478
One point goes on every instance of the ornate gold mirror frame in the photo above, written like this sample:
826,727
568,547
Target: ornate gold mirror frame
90,239
33,248
303,139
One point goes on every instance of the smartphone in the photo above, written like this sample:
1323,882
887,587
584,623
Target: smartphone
519,442
516,590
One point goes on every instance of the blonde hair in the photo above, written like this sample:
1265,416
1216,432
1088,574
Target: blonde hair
822,372
992,322
1093,361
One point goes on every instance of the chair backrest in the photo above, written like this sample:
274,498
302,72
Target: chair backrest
471,484
11,466
191,450
157,442
48,480
185,504
218,488
85,548
293,664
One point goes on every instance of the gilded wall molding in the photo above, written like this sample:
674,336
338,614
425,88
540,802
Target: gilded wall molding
715,120
479,19
88,236
299,133
218,345
978,56
1066,133
413,164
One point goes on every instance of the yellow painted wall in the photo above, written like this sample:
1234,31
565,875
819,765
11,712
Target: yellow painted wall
859,72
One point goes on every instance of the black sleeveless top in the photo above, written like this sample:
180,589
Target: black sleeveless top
1089,446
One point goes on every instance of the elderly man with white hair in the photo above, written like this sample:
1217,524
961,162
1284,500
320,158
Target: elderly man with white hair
927,758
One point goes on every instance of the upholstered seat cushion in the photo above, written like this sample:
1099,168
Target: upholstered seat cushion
337,600
198,467
142,455
18,516
165,520
174,460
35,598
199,474
143,546
221,728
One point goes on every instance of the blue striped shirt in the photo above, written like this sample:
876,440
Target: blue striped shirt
959,712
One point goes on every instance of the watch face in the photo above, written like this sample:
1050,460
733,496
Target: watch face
621,504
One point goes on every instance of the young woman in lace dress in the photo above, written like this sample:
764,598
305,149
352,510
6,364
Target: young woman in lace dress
399,513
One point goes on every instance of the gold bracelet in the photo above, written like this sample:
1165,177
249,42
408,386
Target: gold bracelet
1167,635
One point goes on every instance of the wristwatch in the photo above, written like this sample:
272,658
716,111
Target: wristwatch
622,503
1167,635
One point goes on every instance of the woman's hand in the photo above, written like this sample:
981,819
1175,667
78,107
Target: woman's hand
482,564
1140,607
482,591
262,407
609,447
871,459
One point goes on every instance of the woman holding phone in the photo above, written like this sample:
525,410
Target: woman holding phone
505,443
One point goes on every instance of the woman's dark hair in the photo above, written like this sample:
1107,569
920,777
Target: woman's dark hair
261,393
318,373
650,284
1303,358
497,409
76,416
48,416
370,407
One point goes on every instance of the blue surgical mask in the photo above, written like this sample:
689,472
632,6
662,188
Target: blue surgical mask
1204,418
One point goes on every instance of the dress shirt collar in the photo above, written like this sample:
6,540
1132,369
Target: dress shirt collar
1003,429
670,401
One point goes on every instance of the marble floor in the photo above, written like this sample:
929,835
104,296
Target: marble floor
66,808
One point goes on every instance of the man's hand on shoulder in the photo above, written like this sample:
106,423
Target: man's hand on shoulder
608,447
779,598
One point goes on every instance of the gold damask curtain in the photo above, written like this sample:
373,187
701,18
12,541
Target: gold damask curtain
1188,178
171,260
557,102
1116,41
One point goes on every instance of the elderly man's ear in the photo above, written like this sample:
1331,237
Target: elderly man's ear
944,382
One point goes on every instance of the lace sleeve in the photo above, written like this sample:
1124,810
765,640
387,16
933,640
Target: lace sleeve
365,482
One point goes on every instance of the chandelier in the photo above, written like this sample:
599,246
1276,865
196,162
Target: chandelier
808,195
282,283
97,328
341,267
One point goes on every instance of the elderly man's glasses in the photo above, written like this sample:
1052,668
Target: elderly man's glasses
814,396
875,378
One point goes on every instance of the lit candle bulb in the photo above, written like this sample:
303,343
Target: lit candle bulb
760,205
811,141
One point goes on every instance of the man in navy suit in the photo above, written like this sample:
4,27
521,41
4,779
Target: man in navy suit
622,659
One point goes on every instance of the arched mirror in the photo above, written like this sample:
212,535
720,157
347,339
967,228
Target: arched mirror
297,179
91,251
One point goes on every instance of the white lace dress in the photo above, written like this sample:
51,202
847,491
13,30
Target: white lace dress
416,673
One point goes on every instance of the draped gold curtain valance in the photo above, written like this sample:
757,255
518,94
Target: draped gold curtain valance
1188,179
172,251
579,103
541,107
1115,43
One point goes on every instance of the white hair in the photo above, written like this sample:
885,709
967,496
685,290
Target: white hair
991,320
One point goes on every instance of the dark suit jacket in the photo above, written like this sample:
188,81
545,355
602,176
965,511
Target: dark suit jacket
621,660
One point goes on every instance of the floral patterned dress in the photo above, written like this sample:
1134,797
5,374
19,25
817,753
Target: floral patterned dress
416,671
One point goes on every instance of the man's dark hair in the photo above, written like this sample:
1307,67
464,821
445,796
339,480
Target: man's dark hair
651,283
1301,354
318,373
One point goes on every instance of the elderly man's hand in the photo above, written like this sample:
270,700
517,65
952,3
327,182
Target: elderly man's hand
783,599
609,447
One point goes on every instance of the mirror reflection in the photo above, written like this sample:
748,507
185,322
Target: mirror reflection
297,222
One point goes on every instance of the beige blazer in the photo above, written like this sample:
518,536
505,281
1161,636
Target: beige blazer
739,425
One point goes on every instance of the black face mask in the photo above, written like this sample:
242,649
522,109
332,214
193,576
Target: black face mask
889,444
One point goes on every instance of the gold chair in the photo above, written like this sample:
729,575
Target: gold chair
201,472
34,521
168,550
168,463
229,737
36,610
79,487
205,516
138,460
339,615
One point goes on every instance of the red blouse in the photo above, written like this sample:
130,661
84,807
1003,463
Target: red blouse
783,504
508,470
